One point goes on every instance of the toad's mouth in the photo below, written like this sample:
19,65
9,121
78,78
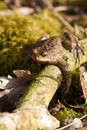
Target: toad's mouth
40,59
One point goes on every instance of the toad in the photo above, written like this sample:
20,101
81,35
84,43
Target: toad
51,50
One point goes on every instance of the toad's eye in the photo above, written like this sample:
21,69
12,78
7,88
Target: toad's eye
44,54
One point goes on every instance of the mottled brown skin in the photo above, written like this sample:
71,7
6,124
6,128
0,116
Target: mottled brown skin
52,51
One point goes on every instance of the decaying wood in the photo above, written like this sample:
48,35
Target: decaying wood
32,112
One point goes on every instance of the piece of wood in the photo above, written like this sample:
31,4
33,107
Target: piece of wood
43,88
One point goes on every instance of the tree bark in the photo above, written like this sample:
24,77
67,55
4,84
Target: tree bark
32,113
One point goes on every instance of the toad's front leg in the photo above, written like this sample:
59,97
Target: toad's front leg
70,42
67,77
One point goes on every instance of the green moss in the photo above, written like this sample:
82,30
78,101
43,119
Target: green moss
65,113
18,33
2,5
76,87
